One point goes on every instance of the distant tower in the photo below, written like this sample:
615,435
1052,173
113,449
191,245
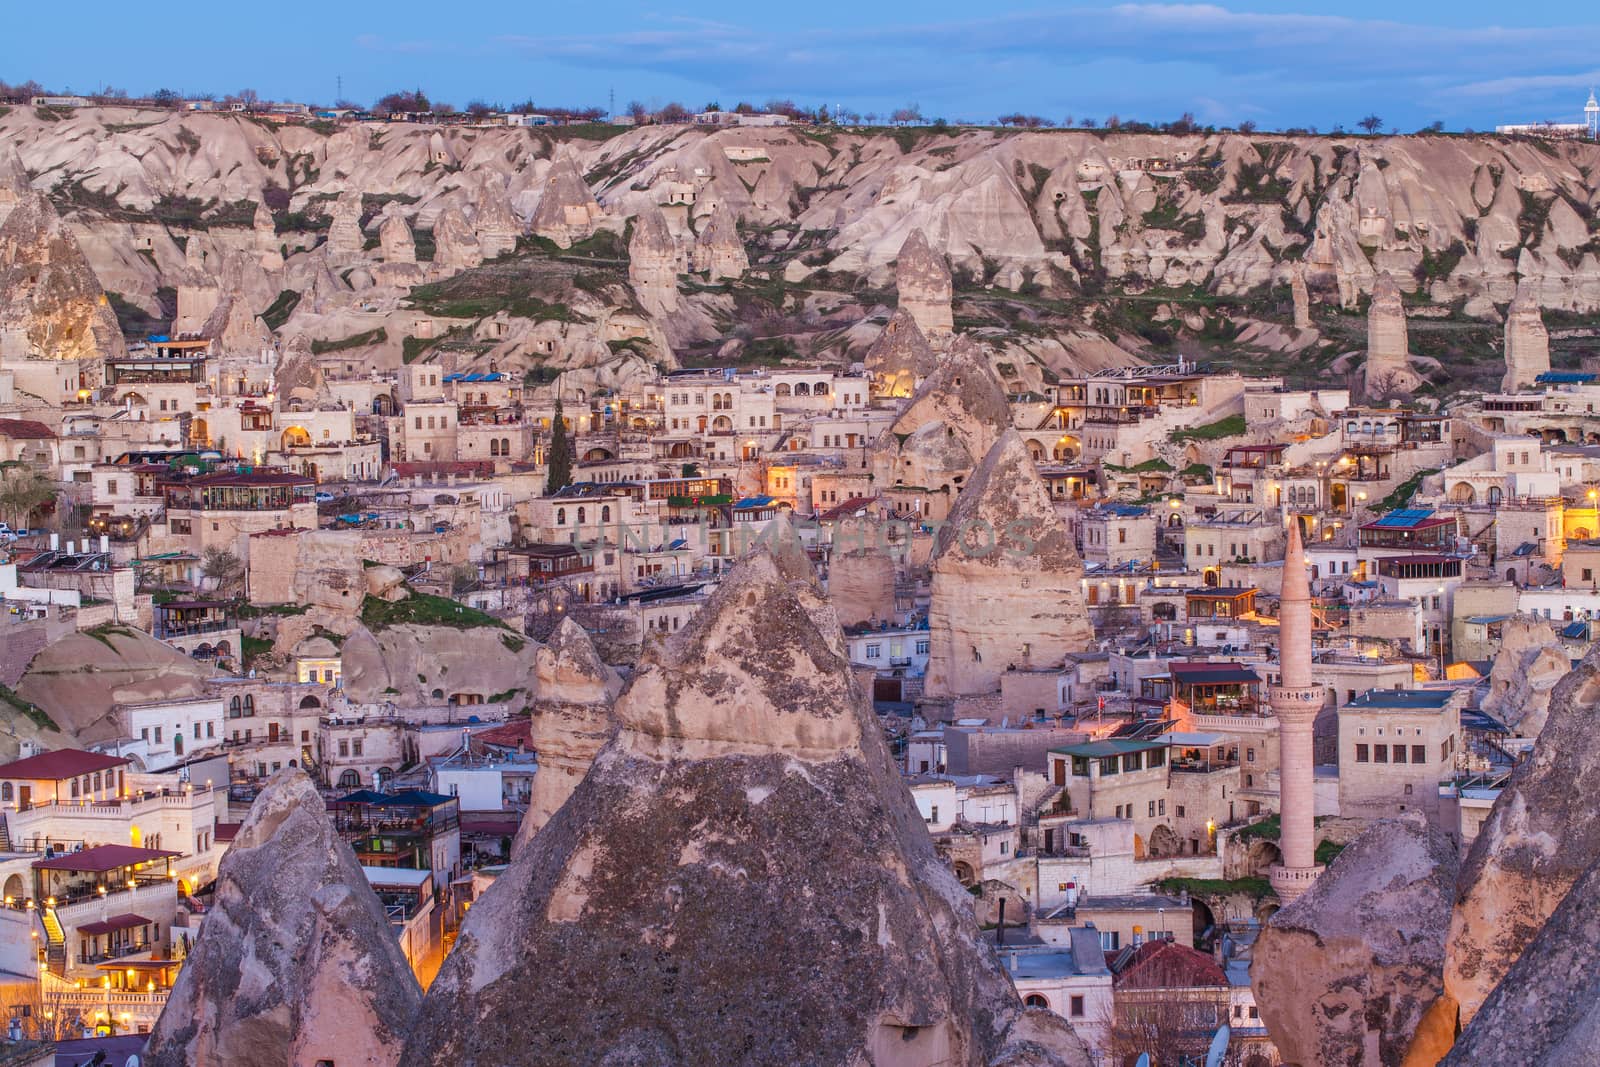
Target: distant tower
1295,702
1591,116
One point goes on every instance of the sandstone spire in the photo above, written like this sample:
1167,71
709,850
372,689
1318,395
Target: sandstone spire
296,962
1007,582
51,303
922,278
743,868
571,720
654,262
962,393
719,250
394,237
497,226
1301,296
1539,838
1388,368
455,243
1527,342
900,358
567,210
1347,972
345,239
14,182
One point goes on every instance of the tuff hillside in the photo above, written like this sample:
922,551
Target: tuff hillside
1079,248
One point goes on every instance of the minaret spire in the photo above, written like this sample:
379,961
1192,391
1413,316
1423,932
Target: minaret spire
1295,702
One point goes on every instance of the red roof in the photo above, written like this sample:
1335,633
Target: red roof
1169,965
406,468
60,765
26,429
511,735
125,921
227,831
102,858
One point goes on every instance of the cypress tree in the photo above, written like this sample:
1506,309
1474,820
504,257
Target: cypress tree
560,455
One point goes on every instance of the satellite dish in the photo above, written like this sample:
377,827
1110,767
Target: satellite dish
1219,1046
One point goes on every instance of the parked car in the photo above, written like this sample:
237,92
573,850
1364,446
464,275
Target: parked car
324,497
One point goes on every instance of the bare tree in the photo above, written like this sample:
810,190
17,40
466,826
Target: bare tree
222,568
1372,124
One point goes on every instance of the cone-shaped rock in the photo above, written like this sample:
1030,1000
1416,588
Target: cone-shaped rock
14,184
567,209
1527,343
1539,838
497,226
922,280
1346,972
1388,366
719,250
1546,1012
345,239
455,243
571,720
296,962
900,358
395,238
52,305
1007,585
741,879
654,262
964,395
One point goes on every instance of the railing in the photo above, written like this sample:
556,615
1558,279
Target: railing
165,631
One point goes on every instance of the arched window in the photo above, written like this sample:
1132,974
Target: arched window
350,780
561,516
249,706
233,708
820,389
605,513
1034,1000
782,389
583,516
802,389
505,446
311,702
177,743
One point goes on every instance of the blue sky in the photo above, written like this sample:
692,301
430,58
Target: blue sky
1469,63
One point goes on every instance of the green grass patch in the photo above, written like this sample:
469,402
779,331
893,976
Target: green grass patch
253,611
1232,426
37,715
1255,888
1267,829
105,632
1402,493
359,340
422,609
278,314
515,644
254,649
1328,851
503,698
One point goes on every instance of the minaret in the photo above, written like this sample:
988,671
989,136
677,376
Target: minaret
1295,702
1591,116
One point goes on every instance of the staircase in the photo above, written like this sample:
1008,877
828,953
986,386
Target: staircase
5,835
55,941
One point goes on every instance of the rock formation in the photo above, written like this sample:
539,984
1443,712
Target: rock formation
1539,838
567,210
1546,1011
267,244
296,963
346,242
455,243
950,423
654,262
743,865
394,237
497,227
1530,661
922,280
1527,343
1302,298
1388,368
571,721
51,303
861,573
1345,974
1007,581
14,184
719,250
900,358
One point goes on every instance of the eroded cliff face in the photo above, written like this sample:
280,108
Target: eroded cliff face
1346,973
1030,226
743,867
296,963
51,303
1539,838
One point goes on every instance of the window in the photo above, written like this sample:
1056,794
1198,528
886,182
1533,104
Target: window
1419,753
158,735
1110,940
1180,811
1152,810
1157,757
1161,808
1076,1008
1361,754
933,813
355,747
344,747
1380,753
1122,535
874,651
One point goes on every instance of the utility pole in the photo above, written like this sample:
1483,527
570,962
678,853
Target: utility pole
338,93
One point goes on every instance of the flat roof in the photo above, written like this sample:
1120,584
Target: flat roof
1403,699
103,858
396,876
1114,747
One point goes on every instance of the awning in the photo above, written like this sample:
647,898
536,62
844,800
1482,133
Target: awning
126,921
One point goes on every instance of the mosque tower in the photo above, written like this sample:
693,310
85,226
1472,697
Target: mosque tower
1591,116
1295,702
